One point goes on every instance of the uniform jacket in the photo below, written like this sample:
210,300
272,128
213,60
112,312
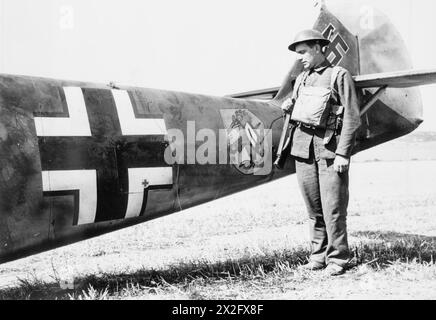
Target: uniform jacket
344,94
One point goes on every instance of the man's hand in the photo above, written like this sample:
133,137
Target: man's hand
341,164
286,105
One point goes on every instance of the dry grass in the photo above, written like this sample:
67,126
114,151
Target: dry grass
249,246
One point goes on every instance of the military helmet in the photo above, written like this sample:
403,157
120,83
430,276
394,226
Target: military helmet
308,35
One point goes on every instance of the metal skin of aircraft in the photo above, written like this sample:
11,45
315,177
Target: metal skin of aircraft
79,160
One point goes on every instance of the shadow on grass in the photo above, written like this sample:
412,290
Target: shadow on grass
181,275
383,247
387,247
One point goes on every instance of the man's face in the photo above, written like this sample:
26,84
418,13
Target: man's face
308,55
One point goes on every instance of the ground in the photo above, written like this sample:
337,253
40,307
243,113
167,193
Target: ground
249,245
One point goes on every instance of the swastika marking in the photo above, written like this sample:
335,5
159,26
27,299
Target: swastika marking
334,54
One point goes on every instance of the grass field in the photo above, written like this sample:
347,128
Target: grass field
249,245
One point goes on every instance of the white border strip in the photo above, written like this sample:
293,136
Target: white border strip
131,126
77,124
83,180
137,176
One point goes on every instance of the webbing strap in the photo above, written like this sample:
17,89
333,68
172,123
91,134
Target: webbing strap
334,76
301,81
330,131
335,73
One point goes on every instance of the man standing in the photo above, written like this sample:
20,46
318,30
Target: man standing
322,149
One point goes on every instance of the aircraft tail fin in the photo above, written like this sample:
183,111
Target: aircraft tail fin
344,47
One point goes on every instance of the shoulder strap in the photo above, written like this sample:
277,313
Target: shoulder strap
301,80
334,77
335,73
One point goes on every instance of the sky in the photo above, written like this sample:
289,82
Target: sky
210,47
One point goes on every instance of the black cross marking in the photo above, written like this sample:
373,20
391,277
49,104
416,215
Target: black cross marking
107,151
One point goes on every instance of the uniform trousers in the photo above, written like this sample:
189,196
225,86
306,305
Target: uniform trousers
325,194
